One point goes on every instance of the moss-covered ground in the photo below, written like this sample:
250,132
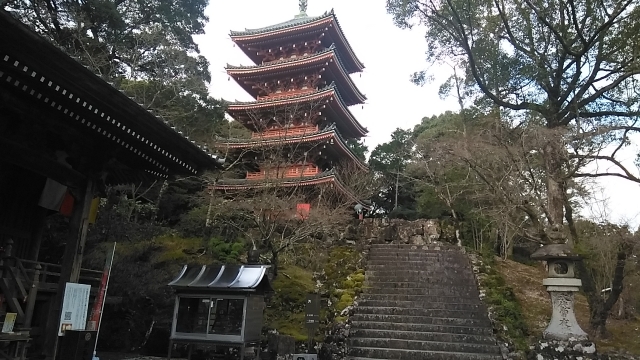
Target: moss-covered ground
338,278
506,310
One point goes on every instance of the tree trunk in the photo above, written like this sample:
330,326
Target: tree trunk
163,189
274,263
395,206
207,222
598,323
599,308
553,155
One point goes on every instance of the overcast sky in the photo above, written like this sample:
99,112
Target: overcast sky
389,54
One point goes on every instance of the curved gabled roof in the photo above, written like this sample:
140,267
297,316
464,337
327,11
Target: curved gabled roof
347,122
300,25
328,57
223,278
327,134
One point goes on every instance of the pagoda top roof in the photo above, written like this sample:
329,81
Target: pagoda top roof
291,64
330,132
301,23
329,91
296,21
328,176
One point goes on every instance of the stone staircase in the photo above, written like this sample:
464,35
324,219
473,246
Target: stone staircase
420,302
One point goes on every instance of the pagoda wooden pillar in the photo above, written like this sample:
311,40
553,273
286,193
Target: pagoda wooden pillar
71,263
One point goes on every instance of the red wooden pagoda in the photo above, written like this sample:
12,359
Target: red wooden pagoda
300,118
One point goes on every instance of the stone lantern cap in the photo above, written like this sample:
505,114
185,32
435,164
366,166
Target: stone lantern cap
555,251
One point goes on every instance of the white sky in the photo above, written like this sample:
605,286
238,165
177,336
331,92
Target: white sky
390,55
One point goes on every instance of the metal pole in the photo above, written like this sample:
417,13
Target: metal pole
104,299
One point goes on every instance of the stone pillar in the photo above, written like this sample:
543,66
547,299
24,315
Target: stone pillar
253,256
561,285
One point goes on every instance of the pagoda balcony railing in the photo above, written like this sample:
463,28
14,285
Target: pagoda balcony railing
286,94
286,132
284,173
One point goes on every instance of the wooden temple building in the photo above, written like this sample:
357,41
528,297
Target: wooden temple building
300,120
65,134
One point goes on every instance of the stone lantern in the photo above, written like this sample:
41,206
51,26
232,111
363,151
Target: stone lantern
359,210
561,285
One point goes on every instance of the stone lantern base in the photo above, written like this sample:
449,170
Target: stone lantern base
563,325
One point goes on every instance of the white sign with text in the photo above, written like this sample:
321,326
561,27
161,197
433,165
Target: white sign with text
74,307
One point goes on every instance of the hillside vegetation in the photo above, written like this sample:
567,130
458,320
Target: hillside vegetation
526,282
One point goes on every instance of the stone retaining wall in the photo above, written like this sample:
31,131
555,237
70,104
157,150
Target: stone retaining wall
418,232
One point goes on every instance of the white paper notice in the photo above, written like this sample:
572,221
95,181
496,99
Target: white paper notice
74,307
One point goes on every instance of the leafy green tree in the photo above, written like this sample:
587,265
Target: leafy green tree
561,80
538,64
119,38
359,148
389,161
144,48
184,103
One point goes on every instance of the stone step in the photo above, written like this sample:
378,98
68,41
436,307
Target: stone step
434,247
418,250
358,353
414,260
426,320
424,305
447,280
422,336
442,278
381,270
396,266
441,283
413,265
425,253
420,298
442,313
425,345
427,290
417,258
423,328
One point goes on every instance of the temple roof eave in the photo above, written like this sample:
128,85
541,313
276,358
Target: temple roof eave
140,140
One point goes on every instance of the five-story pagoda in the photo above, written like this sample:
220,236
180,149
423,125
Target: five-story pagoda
300,120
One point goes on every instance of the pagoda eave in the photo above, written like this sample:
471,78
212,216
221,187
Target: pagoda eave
238,110
331,135
328,58
327,177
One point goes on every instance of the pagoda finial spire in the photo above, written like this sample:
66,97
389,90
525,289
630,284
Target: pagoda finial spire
303,6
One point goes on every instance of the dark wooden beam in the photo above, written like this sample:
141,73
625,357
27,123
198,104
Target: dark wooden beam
20,155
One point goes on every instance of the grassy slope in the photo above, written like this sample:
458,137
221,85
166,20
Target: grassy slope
526,282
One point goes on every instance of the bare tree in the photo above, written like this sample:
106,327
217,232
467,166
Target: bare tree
274,219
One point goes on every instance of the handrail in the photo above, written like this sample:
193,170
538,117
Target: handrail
285,132
54,270
285,172
286,94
